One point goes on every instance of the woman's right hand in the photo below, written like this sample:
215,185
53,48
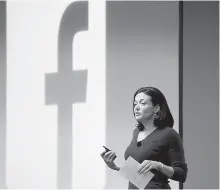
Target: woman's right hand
109,158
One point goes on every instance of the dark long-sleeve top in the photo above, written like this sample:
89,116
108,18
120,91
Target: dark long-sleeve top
162,145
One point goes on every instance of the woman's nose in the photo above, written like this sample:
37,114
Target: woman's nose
137,107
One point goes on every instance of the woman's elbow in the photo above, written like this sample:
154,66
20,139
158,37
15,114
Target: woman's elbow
183,179
180,174
184,175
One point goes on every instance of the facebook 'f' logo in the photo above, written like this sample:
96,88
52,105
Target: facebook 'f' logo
67,87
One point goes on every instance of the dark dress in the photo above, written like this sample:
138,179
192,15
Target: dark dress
163,145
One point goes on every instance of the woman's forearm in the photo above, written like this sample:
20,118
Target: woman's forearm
113,166
167,170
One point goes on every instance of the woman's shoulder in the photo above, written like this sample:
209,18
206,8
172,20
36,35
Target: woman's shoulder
170,132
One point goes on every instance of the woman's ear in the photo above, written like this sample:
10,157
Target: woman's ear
156,108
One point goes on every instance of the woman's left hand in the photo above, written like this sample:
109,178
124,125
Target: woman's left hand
148,165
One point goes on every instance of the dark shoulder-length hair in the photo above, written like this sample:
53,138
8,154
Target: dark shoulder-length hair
164,117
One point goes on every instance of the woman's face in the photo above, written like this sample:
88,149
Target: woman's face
143,107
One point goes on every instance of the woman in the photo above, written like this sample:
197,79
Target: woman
155,144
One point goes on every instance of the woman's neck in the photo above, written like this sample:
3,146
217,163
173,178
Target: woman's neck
148,125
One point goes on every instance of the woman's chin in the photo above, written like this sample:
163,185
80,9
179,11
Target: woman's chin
138,118
141,119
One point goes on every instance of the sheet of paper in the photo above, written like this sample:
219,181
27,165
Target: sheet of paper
129,171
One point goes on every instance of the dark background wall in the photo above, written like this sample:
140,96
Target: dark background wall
201,93
2,94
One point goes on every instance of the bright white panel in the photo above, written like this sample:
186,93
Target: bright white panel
32,31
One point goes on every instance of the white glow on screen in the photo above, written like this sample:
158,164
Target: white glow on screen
31,125
32,34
